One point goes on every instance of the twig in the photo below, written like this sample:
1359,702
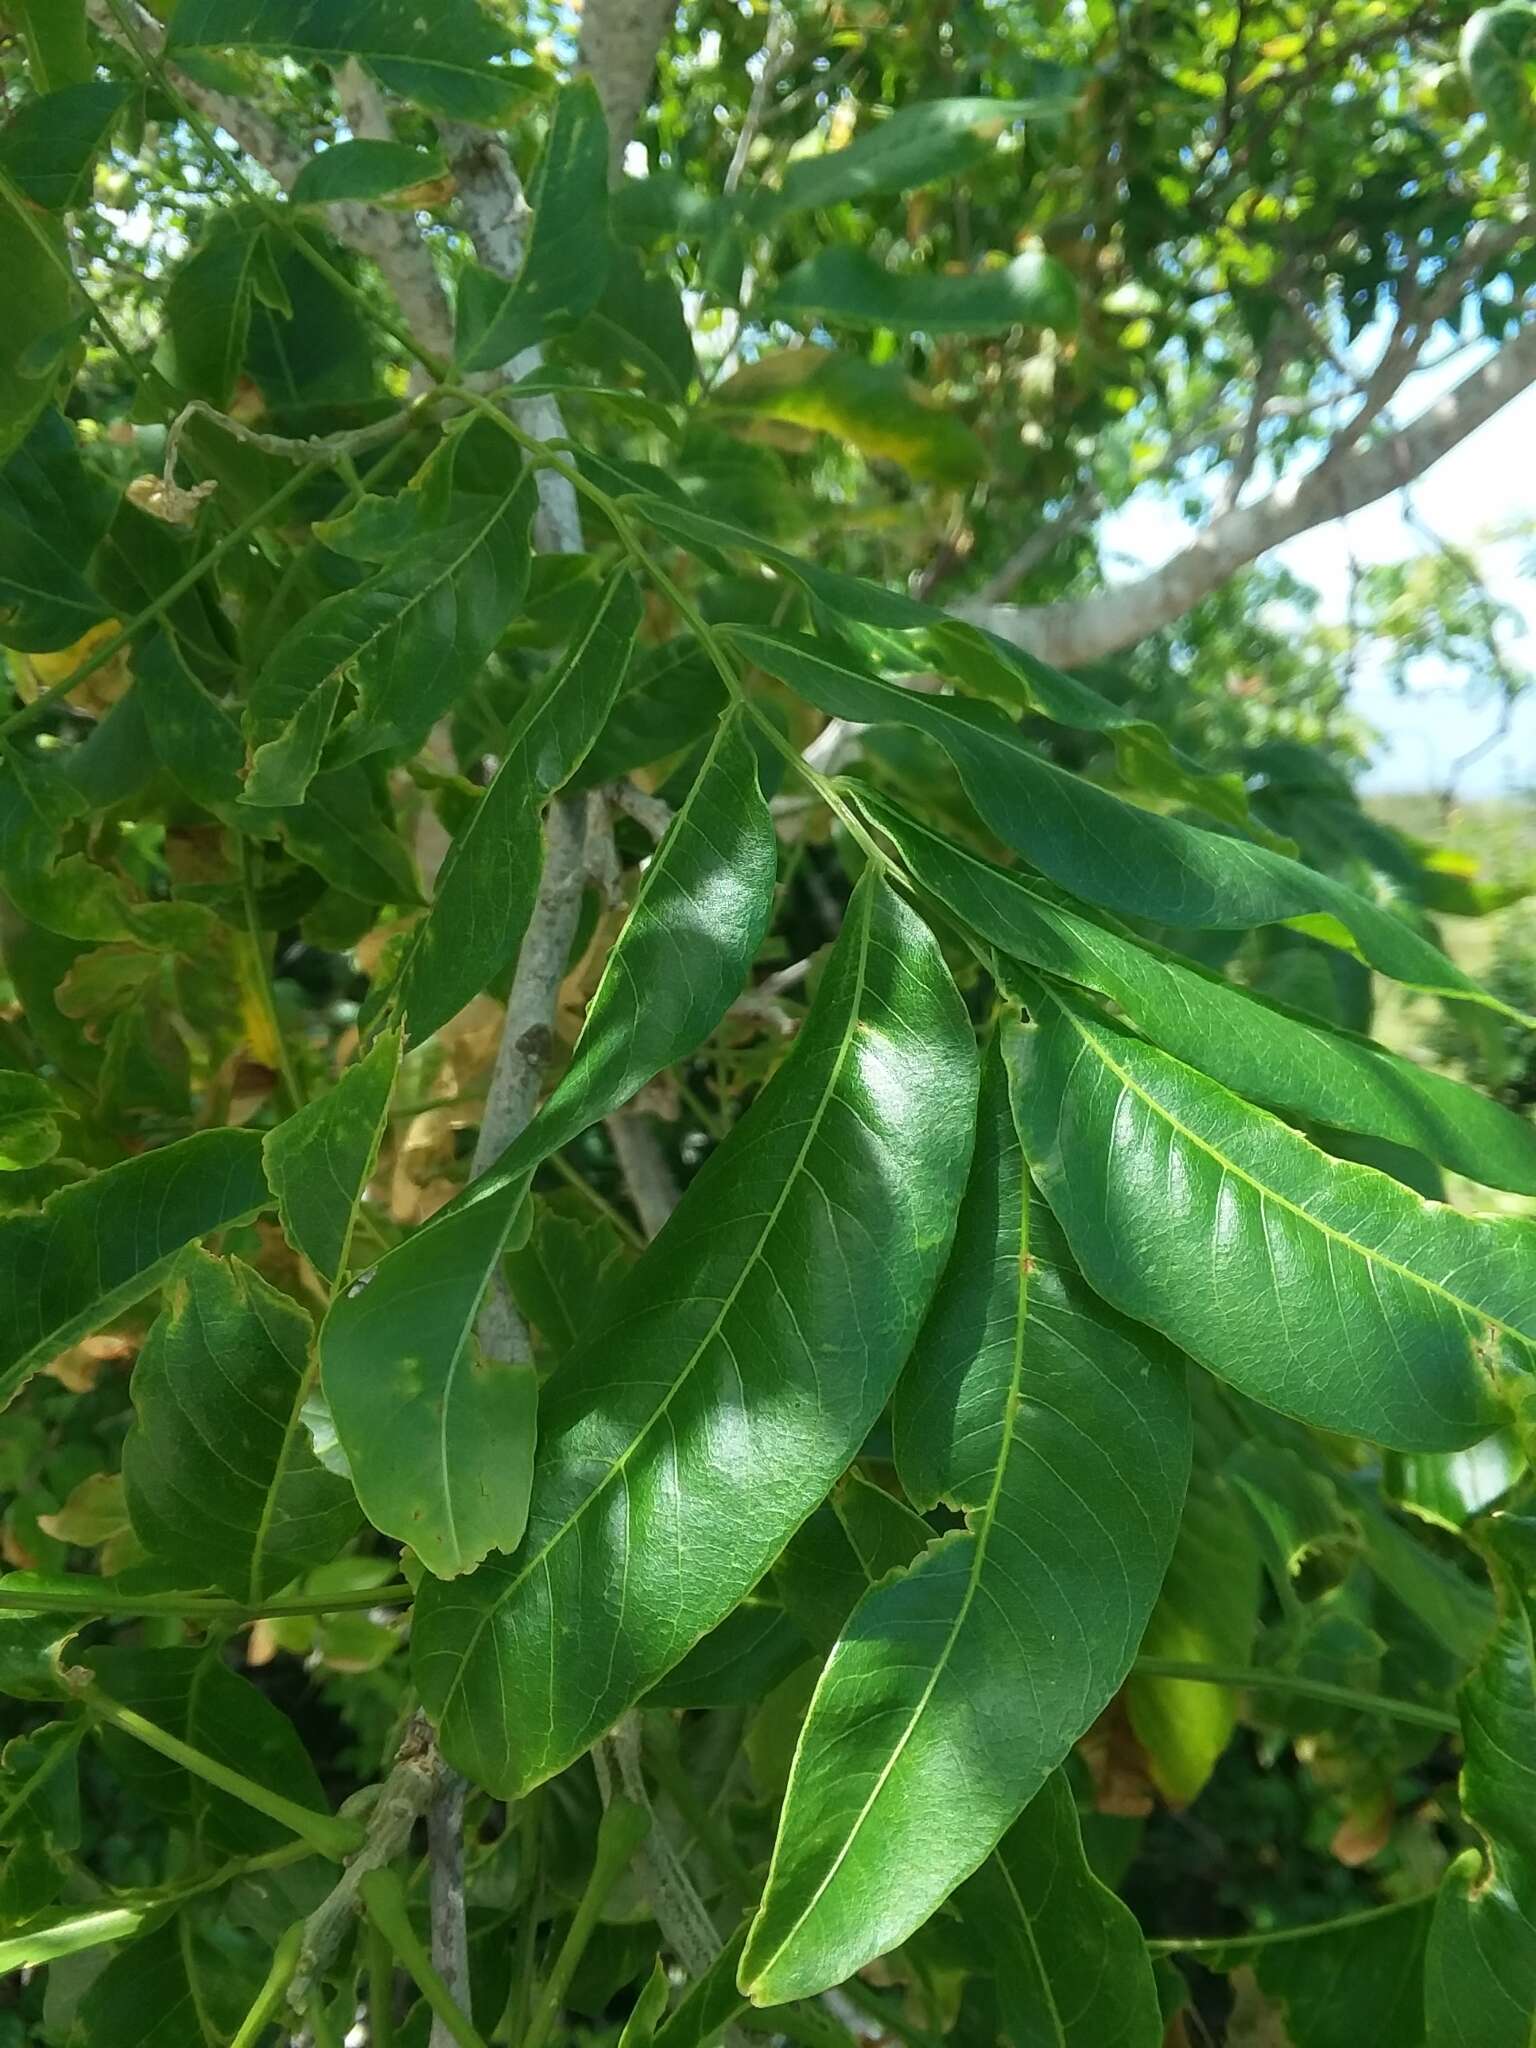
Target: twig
403,1798
680,1913
650,813
778,49
445,1861
644,1166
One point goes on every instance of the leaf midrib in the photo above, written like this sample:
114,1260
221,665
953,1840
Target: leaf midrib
621,1463
1363,1251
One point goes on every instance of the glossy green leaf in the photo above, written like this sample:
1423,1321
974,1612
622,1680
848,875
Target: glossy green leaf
364,168
41,328
680,961
1068,1959
872,406
319,1160
1254,1047
565,267
51,515
1481,1962
101,1244
456,70
221,1477
732,1373
344,832
1323,1289
29,1131
407,641
438,1436
1092,842
49,146
956,1687
486,890
849,1544
849,288
917,145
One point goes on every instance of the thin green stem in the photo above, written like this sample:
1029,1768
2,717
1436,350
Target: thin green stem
324,1832
621,1831
600,1203
1239,1675
197,1607
100,656
261,976
1216,1944
384,1902
285,1959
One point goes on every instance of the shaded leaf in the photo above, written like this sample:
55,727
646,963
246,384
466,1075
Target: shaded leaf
29,1132
221,1477
456,71
874,407
318,1162
41,328
52,512
101,1244
848,286
1068,1959
364,168
917,145
48,147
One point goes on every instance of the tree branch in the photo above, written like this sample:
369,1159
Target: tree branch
445,1860
1348,477
619,42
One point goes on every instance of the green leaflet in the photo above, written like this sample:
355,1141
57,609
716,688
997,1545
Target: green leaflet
486,890
409,639
164,1990
101,1244
958,1685
398,1348
193,1695
730,1375
1481,1963
697,923
319,1160
1207,1612
1359,1978
915,146
29,1130
1068,1959
1252,1046
1323,1289
849,287
58,52
221,1478
48,147
873,406
208,307
364,168
1092,842
564,271
52,512
65,1930
450,66
438,1437
41,327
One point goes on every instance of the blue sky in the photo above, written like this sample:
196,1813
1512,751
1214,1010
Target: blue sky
1486,483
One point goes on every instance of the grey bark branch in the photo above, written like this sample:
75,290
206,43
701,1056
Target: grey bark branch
619,42
1086,629
644,1167
445,1862
680,1913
